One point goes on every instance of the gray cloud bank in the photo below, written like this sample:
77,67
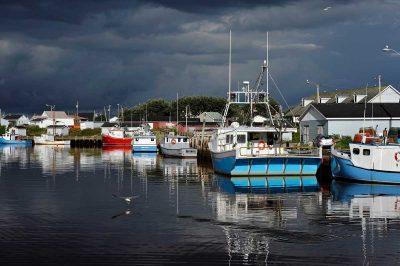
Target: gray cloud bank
109,52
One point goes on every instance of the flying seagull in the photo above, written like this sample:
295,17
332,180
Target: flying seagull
128,200
327,8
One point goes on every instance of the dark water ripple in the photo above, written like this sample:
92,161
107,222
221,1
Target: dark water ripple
57,208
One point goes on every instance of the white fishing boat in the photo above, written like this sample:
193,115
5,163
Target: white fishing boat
177,146
144,140
46,139
257,151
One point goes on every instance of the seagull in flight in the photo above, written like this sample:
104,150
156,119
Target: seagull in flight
327,8
128,200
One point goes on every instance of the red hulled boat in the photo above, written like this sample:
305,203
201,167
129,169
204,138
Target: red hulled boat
116,137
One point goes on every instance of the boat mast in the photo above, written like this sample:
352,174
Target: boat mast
268,107
177,114
229,80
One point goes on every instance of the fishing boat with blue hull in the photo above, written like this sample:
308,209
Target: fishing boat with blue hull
378,163
254,151
9,138
257,150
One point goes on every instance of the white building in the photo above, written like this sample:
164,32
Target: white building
48,118
17,120
346,119
58,130
18,130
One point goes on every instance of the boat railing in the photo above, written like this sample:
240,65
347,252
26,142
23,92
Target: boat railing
279,151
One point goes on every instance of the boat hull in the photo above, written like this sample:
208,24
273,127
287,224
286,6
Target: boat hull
24,142
144,148
343,168
227,163
108,141
56,142
179,152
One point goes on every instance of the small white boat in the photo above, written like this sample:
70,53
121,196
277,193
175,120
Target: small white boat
177,146
45,139
367,163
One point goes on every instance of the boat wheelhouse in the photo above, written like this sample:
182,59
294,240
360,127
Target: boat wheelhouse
177,146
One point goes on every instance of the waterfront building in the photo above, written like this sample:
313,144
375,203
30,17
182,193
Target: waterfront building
386,94
16,119
346,119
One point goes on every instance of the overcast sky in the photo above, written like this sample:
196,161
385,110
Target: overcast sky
125,52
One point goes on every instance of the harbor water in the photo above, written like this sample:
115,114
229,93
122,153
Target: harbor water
63,206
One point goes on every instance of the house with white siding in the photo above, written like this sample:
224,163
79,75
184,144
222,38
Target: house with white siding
346,119
17,119
48,118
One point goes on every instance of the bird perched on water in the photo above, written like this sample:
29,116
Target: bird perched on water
327,8
128,200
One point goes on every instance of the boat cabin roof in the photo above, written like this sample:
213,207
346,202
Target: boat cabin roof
254,129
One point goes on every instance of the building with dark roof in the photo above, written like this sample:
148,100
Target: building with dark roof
386,94
346,119
17,119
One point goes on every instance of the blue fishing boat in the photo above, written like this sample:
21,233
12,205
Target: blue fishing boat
9,138
258,150
367,162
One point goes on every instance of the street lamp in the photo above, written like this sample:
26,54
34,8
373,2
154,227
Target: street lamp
316,85
388,50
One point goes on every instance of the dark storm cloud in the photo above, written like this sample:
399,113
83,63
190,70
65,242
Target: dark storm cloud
109,52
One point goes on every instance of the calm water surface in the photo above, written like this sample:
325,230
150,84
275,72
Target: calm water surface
57,208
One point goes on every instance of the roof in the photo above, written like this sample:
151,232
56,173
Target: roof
55,114
12,117
372,92
347,110
86,115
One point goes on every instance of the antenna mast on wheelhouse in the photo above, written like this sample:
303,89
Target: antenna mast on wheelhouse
247,95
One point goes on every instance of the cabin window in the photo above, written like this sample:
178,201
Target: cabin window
356,151
229,138
166,139
152,139
185,140
137,139
254,136
366,152
241,138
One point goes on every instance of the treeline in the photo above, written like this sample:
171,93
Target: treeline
195,105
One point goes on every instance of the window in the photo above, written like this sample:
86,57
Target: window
356,151
152,139
254,136
179,140
229,138
241,138
366,152
185,140
320,130
137,139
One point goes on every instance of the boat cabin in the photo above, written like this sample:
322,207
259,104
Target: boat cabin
248,137
144,140
176,139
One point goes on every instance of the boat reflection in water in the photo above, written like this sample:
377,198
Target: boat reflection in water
180,167
271,184
375,207
144,162
250,209
116,153
366,200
